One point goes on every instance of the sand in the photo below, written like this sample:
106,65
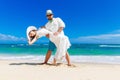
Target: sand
34,70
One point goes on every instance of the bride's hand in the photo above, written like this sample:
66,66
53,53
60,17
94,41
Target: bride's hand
29,42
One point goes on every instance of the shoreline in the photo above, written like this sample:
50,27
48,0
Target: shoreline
75,59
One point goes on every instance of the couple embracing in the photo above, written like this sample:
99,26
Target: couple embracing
54,31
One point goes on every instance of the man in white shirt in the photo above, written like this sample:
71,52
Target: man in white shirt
55,25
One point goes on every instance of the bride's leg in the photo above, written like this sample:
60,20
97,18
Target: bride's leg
68,59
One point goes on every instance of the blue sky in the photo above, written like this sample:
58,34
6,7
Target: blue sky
87,21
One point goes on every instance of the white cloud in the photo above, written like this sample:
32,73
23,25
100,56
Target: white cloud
113,38
116,31
103,37
4,37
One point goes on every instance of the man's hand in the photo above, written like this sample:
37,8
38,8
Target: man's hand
56,33
59,30
47,35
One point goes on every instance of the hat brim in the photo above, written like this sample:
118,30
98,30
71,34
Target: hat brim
30,28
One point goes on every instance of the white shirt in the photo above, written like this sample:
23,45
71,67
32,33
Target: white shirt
54,25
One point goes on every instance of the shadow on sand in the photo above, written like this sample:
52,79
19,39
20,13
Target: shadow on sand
58,64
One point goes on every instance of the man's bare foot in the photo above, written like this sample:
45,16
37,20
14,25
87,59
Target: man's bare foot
69,64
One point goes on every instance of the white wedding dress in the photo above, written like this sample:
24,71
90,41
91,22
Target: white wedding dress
61,41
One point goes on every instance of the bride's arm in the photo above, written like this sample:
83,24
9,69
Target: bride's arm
31,42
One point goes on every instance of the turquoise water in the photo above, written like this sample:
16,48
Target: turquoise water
76,49
93,53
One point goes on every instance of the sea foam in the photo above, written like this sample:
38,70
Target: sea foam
77,59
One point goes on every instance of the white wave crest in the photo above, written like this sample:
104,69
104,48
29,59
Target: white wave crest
78,59
109,45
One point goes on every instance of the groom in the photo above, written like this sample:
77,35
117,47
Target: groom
55,25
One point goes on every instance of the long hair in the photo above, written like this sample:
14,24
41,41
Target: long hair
32,37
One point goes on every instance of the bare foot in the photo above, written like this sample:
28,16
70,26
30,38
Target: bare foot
54,64
71,65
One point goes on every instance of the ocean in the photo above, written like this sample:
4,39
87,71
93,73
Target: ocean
93,53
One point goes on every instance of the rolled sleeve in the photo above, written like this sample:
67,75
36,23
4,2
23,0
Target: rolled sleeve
60,22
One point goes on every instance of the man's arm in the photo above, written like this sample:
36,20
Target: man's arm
59,31
61,25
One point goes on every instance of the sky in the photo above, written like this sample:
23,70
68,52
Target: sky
87,21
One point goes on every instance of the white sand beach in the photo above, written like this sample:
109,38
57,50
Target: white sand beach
34,70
